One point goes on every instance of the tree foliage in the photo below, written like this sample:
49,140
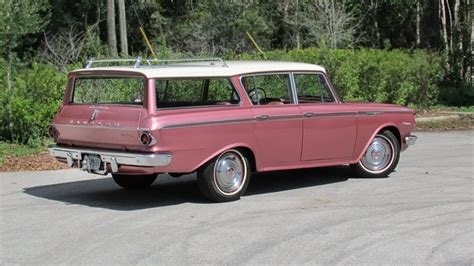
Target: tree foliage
399,51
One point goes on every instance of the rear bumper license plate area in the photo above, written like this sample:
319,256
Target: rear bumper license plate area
101,161
91,163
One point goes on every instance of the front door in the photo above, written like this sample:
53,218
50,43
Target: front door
278,120
329,127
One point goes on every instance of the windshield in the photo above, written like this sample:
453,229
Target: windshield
109,90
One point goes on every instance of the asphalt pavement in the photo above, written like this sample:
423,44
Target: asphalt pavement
422,214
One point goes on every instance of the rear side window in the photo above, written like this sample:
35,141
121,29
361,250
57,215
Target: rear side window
195,92
109,90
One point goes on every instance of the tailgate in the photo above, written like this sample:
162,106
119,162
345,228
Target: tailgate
103,126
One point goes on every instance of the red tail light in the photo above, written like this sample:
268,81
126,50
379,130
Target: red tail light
147,139
53,133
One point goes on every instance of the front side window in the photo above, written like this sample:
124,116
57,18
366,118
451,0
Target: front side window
195,92
109,90
312,88
268,89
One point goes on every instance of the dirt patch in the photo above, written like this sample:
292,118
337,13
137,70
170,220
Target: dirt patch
34,162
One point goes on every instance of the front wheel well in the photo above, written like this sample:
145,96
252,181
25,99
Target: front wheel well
395,132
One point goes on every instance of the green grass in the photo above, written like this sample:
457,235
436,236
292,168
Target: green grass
443,108
9,149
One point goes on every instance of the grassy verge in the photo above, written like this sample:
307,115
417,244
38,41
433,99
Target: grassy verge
439,118
11,150
445,124
437,109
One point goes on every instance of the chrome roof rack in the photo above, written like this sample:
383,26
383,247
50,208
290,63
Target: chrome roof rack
137,62
212,61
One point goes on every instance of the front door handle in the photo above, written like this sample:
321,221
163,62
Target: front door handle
308,115
262,117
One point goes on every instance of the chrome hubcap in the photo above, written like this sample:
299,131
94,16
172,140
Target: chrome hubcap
379,155
229,173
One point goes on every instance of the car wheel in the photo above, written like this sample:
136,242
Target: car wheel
381,156
134,181
225,178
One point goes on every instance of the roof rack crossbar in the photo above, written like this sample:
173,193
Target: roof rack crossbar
91,61
189,60
138,61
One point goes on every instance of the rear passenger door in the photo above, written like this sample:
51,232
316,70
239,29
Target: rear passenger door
329,127
278,120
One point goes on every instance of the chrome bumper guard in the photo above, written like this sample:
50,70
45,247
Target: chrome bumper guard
114,158
411,140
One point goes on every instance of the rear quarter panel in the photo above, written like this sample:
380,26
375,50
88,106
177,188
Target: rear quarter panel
196,135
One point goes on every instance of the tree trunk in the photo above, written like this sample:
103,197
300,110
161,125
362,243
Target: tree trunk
418,23
111,37
450,21
443,22
123,29
374,5
297,27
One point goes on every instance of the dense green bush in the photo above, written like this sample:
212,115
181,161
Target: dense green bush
456,95
30,102
402,77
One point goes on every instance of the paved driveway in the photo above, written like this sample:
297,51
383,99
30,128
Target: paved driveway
422,214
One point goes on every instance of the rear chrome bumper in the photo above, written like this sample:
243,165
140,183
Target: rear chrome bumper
114,158
411,140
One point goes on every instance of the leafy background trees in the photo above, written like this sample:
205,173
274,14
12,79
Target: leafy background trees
412,52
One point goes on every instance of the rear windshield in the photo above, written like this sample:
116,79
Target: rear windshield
195,92
109,90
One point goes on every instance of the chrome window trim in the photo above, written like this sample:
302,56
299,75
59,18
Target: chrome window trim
328,83
267,74
294,93
92,74
239,104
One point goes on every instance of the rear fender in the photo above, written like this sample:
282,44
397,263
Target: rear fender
232,146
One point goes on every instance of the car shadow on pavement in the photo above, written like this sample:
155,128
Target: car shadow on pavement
269,182
104,193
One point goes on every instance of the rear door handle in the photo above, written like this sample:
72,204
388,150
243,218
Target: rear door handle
308,115
262,117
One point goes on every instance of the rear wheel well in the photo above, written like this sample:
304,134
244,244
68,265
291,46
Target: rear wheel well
248,153
395,132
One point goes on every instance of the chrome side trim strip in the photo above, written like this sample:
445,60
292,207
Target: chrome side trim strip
208,123
98,127
370,113
284,117
233,121
334,114
115,158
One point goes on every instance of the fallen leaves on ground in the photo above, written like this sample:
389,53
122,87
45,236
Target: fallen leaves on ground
34,162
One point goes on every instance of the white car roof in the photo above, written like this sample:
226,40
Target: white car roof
201,69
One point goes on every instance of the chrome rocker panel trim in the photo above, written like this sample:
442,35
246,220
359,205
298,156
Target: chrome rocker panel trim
114,158
411,140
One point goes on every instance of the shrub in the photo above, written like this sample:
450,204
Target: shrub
457,95
31,102
395,76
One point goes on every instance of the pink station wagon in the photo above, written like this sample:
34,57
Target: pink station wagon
223,120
